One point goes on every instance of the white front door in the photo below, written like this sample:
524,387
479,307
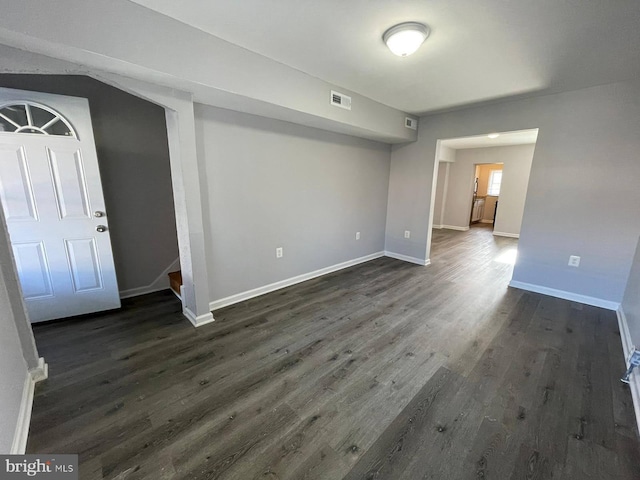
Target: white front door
51,194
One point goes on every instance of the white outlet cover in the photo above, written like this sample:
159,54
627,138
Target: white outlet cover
574,261
407,234
357,235
279,252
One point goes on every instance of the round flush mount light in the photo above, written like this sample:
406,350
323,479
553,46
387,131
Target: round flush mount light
405,38
493,135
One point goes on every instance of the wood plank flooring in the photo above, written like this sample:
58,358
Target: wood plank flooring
386,370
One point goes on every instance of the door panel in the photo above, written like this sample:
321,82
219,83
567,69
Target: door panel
70,185
33,269
83,262
16,192
50,187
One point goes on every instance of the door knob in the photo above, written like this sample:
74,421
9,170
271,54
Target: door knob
98,214
101,228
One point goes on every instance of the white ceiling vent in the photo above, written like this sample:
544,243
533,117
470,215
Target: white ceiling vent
411,123
340,100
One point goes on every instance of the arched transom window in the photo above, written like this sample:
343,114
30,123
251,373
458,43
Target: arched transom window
28,117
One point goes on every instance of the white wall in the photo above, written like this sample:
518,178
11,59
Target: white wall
275,184
583,191
516,162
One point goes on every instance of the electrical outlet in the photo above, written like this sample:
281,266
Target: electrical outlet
357,235
279,252
574,261
407,234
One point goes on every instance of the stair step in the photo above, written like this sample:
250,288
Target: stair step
175,281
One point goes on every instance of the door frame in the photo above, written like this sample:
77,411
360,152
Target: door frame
185,180
63,300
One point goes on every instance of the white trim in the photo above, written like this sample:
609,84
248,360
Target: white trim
41,372
506,234
574,297
34,375
160,283
486,220
256,292
19,445
627,346
454,227
437,226
406,258
178,295
198,320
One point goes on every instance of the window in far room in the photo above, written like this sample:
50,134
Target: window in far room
495,179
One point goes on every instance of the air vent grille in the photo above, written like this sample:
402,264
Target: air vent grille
411,123
340,100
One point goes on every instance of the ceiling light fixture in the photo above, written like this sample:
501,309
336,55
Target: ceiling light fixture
405,38
493,135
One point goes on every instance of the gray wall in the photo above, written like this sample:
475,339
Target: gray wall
131,140
441,191
583,191
517,165
275,184
631,300
114,36
17,348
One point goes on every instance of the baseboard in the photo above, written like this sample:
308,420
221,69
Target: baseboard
198,320
160,283
574,297
627,347
34,375
41,372
486,220
506,234
454,227
439,227
19,445
178,295
256,292
406,258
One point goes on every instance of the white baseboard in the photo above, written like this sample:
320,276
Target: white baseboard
19,445
486,220
198,320
454,227
159,284
34,375
627,347
41,372
439,227
506,234
573,297
256,292
406,258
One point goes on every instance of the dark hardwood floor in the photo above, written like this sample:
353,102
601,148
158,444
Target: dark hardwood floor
386,370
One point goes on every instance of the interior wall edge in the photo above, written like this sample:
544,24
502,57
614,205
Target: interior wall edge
627,346
21,434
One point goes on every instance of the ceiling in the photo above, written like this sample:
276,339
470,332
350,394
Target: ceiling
477,51
521,137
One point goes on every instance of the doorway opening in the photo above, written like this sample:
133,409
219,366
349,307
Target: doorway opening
480,187
133,156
